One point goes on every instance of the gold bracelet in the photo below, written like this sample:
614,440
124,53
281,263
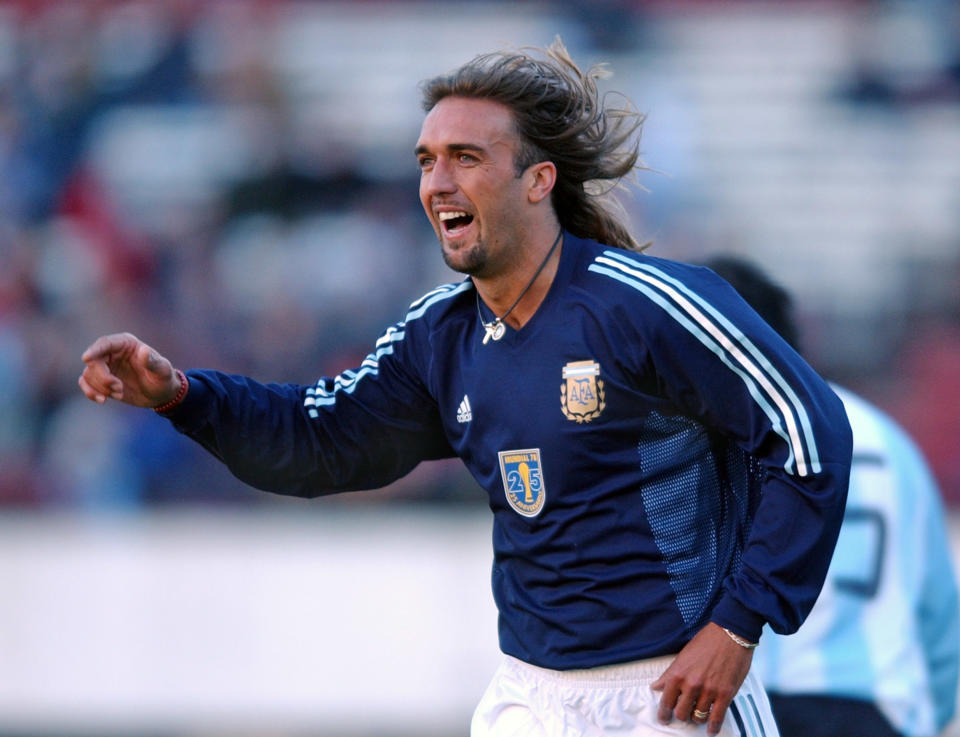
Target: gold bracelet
740,641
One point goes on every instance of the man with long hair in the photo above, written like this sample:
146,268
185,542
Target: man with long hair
665,475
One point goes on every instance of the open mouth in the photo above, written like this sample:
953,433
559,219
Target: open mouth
454,223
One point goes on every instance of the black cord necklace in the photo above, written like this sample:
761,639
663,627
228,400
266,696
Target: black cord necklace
495,328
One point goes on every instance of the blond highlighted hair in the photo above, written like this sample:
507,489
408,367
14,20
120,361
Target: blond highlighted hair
560,117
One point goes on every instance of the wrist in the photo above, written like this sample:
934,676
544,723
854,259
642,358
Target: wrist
178,397
741,641
730,613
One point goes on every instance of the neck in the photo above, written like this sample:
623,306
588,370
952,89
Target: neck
515,297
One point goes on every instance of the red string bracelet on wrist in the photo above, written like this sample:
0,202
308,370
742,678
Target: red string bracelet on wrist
181,393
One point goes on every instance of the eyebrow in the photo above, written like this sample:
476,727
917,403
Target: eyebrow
451,148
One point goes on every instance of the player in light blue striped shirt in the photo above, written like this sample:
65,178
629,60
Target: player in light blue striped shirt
878,654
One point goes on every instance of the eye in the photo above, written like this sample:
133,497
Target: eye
424,162
465,158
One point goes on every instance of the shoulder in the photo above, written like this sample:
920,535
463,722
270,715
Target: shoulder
654,290
873,428
439,304
412,341
645,275
876,435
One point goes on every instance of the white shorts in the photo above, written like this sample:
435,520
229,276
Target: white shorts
526,701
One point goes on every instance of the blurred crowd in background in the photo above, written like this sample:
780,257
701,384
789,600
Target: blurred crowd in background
234,182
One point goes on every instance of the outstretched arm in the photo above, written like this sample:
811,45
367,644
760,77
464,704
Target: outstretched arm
360,430
124,368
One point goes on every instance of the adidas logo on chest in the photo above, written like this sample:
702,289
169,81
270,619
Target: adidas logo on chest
464,413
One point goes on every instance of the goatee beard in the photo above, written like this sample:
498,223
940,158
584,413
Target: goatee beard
472,263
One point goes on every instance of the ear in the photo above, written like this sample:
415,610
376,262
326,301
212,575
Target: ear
541,177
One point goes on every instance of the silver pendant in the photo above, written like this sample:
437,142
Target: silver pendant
494,330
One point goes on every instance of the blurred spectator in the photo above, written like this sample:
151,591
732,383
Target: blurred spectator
903,57
224,181
927,401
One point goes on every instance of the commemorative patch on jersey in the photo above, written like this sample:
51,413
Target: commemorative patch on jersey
522,477
581,393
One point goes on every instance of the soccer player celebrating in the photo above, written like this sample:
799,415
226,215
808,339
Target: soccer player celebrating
666,476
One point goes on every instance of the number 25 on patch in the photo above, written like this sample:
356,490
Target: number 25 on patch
523,480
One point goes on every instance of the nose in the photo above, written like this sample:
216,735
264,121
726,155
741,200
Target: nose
439,180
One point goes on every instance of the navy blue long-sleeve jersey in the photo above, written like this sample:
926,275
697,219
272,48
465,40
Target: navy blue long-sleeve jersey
656,457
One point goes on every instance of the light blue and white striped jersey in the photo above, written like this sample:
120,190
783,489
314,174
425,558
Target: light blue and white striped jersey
885,628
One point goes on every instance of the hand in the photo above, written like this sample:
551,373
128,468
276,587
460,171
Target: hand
124,368
704,677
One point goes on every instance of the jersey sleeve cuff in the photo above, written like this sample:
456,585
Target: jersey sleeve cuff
738,619
193,411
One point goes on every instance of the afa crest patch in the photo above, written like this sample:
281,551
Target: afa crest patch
522,477
581,393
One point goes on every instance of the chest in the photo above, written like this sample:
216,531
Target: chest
561,404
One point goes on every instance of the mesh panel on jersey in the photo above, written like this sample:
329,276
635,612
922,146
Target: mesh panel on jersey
696,497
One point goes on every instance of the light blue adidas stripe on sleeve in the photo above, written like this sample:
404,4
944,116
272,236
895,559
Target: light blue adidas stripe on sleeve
708,325
347,381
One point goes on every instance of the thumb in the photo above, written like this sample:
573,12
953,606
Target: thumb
153,361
